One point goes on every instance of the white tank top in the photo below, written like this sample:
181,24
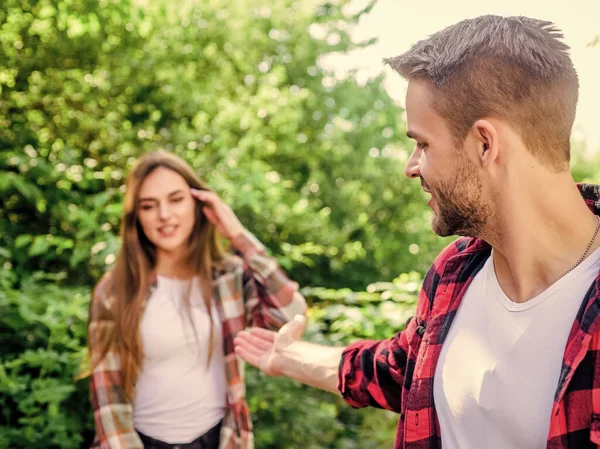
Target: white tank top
499,367
178,397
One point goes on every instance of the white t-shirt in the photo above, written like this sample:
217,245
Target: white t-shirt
499,367
178,398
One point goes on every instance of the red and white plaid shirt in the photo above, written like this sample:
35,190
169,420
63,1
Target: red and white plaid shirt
249,292
397,374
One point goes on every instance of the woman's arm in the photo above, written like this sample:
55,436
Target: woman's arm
271,298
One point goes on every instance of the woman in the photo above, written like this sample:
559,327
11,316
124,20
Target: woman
162,322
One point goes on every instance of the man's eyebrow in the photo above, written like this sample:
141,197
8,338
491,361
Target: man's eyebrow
412,135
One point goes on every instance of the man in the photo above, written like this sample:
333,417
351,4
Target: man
502,350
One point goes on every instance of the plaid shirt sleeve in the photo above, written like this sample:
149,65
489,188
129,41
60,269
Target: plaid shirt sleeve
113,414
372,372
271,299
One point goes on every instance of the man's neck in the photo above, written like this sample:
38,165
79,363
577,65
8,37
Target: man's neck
543,235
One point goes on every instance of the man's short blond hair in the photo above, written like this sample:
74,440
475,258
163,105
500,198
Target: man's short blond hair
513,68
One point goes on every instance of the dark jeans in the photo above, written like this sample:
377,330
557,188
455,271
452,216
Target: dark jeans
210,440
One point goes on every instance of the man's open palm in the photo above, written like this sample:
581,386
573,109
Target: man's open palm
264,349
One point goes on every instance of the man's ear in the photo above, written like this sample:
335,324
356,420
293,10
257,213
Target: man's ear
487,142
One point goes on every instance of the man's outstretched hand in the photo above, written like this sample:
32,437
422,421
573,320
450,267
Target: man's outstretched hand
265,349
284,354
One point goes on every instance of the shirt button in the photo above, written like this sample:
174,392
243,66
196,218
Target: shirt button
176,447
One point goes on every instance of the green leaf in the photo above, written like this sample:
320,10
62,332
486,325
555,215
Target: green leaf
41,244
23,240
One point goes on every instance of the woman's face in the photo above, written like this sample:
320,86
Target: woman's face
166,210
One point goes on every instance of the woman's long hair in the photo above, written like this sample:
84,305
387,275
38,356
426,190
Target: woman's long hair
131,276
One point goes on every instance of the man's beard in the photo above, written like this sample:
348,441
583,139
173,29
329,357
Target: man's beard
461,207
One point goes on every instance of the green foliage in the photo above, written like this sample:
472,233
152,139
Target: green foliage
585,165
288,416
311,161
42,340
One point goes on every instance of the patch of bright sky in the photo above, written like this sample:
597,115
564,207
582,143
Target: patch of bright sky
398,24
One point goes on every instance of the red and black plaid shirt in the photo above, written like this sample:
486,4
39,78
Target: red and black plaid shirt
397,374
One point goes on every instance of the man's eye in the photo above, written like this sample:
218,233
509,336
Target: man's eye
178,199
422,146
147,206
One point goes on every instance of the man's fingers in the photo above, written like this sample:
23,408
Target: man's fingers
263,334
260,343
252,349
252,359
253,344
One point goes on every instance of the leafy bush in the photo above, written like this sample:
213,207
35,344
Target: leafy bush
311,161
42,340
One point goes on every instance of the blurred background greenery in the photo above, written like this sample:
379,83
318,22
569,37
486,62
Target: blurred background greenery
311,161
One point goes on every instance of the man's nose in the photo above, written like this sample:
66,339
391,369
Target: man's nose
412,165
